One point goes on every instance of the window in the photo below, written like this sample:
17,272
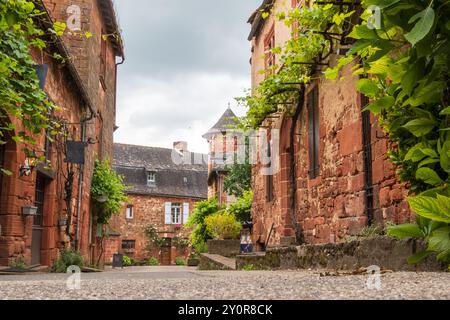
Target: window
151,178
176,213
128,244
129,213
269,45
313,131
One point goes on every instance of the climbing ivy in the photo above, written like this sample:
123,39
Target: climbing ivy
107,191
20,93
311,43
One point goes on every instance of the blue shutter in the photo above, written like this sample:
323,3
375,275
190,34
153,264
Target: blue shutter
185,212
168,213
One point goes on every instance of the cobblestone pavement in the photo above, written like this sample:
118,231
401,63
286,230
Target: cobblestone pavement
187,283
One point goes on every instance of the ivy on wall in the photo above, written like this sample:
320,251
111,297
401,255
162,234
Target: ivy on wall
20,93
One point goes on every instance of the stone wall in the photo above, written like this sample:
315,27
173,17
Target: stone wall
226,248
384,252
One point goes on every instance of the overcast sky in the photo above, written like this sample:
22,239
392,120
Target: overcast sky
185,60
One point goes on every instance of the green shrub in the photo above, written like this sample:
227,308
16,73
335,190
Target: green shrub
127,261
196,221
248,267
66,259
180,261
223,226
200,247
107,183
153,262
242,208
18,264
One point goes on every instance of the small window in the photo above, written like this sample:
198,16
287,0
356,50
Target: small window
128,244
269,45
151,178
314,138
176,213
129,212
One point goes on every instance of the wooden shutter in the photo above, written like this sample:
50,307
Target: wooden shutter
313,132
185,212
168,213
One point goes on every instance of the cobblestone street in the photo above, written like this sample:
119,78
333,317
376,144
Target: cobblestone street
187,283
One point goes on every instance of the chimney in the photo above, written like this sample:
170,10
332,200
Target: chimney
181,146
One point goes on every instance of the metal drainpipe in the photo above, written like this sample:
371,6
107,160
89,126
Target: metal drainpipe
80,189
367,151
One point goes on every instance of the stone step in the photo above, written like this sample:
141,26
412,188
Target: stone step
216,262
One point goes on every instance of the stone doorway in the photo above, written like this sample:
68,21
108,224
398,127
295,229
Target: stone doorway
38,220
166,252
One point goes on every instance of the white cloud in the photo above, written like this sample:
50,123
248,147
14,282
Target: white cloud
158,112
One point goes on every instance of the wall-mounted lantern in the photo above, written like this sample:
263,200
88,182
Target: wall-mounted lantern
29,211
26,169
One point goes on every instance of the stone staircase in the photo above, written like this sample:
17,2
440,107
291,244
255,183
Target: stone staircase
210,261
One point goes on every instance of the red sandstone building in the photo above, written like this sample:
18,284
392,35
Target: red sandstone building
85,88
343,180
163,187
223,143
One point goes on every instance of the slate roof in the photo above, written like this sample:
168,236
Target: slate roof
256,19
226,120
176,176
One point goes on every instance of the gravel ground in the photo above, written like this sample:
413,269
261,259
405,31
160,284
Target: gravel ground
187,283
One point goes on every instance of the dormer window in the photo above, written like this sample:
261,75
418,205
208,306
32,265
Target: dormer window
151,178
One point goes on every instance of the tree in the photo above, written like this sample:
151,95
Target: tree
239,175
238,179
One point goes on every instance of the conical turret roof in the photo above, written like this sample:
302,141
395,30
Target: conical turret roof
226,120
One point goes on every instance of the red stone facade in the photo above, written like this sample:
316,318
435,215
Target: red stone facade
74,86
148,210
333,201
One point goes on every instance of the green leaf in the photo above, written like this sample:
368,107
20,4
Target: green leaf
405,231
427,162
427,207
422,27
5,172
420,127
363,32
11,18
419,257
444,157
430,93
445,112
411,77
428,176
443,204
377,106
440,240
368,87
